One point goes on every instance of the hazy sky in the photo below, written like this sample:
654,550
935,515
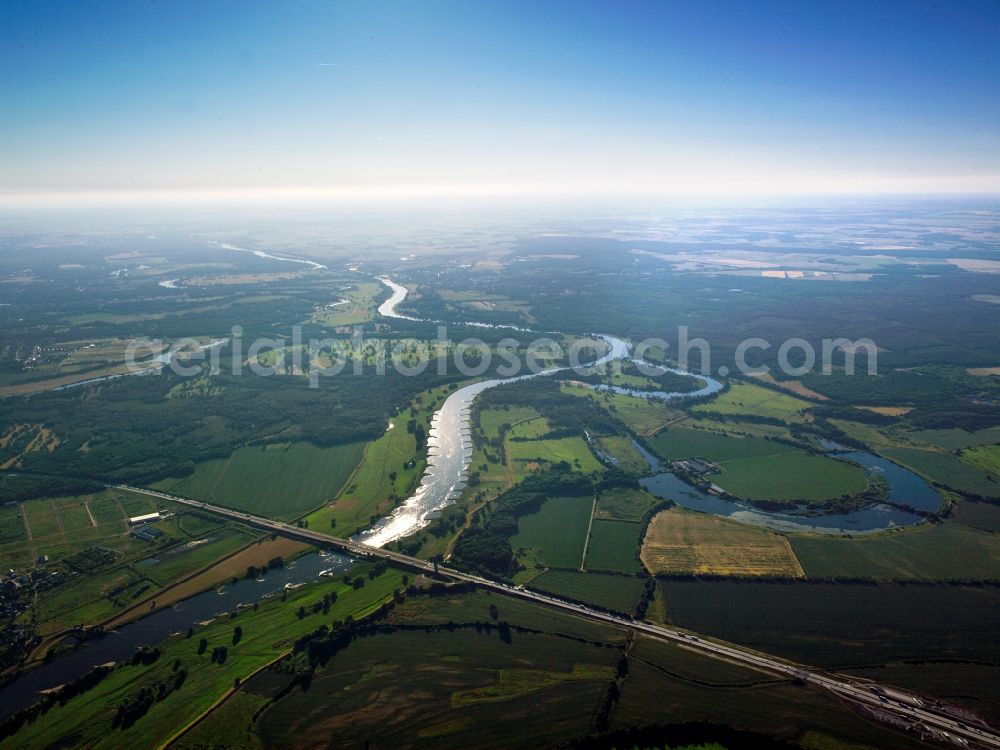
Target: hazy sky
509,97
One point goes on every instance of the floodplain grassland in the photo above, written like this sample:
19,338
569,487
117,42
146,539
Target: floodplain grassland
624,503
964,473
614,592
529,429
685,542
463,302
614,545
932,453
676,686
641,415
460,688
266,633
555,535
279,480
412,688
620,447
356,305
493,420
754,400
530,455
684,440
390,468
985,457
928,552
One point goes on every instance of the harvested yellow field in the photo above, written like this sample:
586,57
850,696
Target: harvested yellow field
792,386
983,372
680,541
888,411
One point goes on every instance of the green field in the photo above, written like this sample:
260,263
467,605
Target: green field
529,455
530,429
280,480
930,453
614,545
618,593
684,441
624,503
105,510
791,474
956,439
11,524
760,469
358,307
947,551
755,400
841,625
984,516
986,457
73,515
43,521
555,535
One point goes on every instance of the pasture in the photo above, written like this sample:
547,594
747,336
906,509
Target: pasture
527,456
754,400
841,625
679,686
640,414
455,689
356,305
790,474
968,473
986,457
624,503
555,535
984,516
621,449
614,546
761,469
279,480
682,542
615,592
929,552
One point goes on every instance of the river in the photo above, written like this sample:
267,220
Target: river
450,453
449,448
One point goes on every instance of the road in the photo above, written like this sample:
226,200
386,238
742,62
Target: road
891,702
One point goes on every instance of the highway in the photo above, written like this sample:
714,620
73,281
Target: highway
888,701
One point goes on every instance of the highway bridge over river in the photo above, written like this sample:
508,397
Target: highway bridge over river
894,706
